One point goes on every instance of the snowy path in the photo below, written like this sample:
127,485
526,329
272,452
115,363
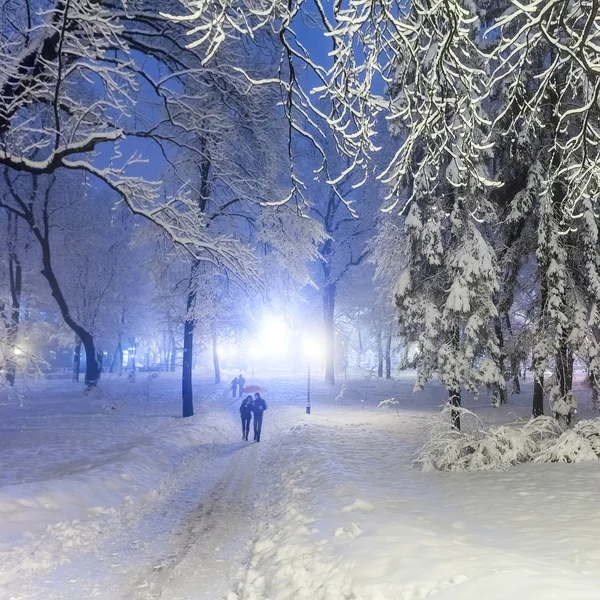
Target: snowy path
326,507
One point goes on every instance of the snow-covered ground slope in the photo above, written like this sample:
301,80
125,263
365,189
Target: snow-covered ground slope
133,502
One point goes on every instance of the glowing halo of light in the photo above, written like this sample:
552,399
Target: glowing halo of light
313,347
275,335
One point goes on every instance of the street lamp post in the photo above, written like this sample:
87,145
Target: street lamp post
308,395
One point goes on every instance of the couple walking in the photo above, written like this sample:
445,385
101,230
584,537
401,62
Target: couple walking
237,383
250,406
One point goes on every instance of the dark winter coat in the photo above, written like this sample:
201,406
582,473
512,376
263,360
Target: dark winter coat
234,383
246,408
241,383
259,406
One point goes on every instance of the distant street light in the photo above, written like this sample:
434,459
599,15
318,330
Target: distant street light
311,348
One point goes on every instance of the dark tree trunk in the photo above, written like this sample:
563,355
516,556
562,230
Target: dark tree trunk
189,326
328,313
515,361
454,399
186,378
514,367
538,396
215,351
570,363
42,235
379,354
500,389
92,371
15,280
564,374
538,384
77,360
562,378
388,356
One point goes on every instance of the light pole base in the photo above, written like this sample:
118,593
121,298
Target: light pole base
308,410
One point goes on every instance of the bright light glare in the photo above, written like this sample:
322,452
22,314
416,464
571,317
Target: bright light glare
312,347
18,351
275,334
255,351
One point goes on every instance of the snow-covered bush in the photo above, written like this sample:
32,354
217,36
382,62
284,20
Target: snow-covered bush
391,403
570,447
538,440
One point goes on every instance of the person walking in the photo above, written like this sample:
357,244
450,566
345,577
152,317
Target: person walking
241,383
234,384
246,414
258,408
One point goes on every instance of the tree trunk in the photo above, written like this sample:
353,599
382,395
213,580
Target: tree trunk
561,371
132,354
92,366
515,362
360,349
564,374
570,363
42,234
186,377
189,325
379,354
173,354
117,361
500,389
388,355
454,399
538,396
215,351
15,280
76,360
514,367
328,314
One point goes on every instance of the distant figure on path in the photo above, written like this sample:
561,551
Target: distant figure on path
241,383
258,408
246,414
234,384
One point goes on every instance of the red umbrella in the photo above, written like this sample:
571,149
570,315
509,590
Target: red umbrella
250,389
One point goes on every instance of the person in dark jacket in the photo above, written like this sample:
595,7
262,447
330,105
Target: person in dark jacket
258,408
241,383
234,385
246,414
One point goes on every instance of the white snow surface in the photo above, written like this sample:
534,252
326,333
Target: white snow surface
113,496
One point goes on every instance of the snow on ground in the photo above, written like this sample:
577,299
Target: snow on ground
132,502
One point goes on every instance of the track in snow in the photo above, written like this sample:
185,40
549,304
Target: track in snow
219,525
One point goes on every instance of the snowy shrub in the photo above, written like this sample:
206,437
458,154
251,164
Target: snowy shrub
391,403
539,440
470,449
590,431
542,428
514,443
569,448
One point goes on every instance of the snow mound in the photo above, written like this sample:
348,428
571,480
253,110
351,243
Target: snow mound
104,483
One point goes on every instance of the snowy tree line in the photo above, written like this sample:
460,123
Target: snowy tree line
146,189
478,122
495,181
